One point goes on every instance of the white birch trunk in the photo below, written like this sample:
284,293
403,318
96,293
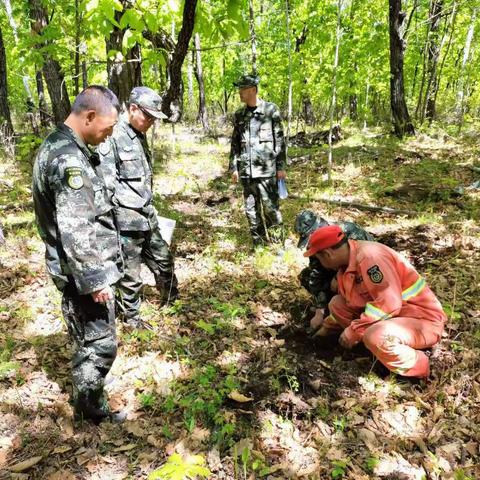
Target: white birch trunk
333,103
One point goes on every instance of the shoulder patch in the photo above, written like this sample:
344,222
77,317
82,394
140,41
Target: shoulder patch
375,274
73,177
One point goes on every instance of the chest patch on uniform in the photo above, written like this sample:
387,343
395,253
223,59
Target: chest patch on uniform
73,177
375,274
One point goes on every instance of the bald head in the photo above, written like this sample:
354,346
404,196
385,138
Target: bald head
94,114
97,98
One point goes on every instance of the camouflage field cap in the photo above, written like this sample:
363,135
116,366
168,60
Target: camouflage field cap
149,100
246,81
305,224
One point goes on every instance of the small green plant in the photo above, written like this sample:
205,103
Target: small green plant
339,468
339,423
147,400
178,468
461,475
371,463
200,400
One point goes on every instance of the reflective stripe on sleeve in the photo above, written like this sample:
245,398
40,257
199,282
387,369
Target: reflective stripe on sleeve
414,290
375,312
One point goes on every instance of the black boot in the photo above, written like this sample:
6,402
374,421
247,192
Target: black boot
91,406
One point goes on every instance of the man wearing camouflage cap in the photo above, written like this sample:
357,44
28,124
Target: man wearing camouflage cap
258,158
128,170
75,220
315,278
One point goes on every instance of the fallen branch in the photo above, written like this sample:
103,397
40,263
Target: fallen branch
360,206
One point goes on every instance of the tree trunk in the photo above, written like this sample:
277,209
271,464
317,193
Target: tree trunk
6,127
453,19
190,62
13,25
172,104
253,37
466,54
124,72
290,83
76,77
432,61
52,71
333,102
225,91
401,119
84,75
202,108
42,103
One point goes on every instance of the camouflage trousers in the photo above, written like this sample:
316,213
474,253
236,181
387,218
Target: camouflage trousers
262,208
149,248
91,326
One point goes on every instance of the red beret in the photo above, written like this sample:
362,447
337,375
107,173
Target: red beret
322,238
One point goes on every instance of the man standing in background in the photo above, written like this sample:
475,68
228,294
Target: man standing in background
257,159
127,165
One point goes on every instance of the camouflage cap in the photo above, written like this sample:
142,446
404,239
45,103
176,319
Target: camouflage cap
246,81
149,100
306,223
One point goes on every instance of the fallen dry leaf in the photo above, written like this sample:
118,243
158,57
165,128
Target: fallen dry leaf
62,449
25,465
239,397
125,448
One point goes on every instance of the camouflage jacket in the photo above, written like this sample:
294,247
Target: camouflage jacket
74,215
127,167
258,144
316,278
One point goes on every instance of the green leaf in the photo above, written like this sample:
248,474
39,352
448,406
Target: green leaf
132,19
151,22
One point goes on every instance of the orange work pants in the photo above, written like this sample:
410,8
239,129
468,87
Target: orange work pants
396,342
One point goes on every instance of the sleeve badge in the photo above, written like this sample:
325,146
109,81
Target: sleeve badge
73,177
375,274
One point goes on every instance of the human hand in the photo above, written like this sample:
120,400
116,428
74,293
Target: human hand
281,174
317,320
345,341
235,177
103,295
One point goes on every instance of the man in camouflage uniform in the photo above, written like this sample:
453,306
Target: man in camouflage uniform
75,220
315,278
127,165
258,158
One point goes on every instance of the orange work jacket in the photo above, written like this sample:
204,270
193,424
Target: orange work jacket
382,284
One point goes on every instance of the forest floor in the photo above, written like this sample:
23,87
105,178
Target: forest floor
228,378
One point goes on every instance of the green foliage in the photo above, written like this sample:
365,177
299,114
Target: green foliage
147,400
339,468
461,475
200,399
27,147
178,468
6,365
371,463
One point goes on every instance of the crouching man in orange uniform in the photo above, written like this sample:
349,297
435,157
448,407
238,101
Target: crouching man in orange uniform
381,300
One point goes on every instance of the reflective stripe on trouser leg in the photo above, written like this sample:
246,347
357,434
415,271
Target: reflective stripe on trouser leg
397,343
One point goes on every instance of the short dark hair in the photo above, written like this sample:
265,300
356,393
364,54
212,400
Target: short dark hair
98,98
